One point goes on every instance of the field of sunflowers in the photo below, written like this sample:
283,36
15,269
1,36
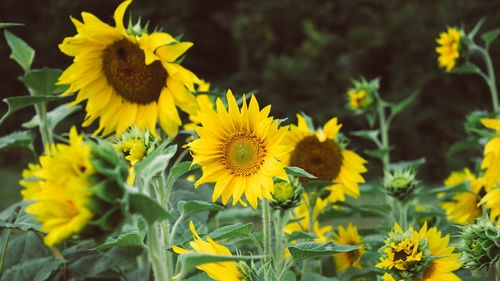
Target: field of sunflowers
165,175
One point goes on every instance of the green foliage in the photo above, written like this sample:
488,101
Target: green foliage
22,53
42,82
54,117
17,139
147,207
15,217
298,172
231,231
9,24
38,269
16,103
308,250
192,207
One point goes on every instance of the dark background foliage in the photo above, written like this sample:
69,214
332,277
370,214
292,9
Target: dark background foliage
299,56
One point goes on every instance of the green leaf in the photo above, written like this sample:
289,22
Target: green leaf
316,185
378,153
397,108
191,260
414,164
24,247
148,208
192,207
461,187
16,103
8,24
38,269
367,134
53,117
41,82
21,52
18,139
491,35
296,235
180,169
467,67
367,209
200,277
299,172
15,217
271,276
310,276
230,231
308,250
131,239
238,214
156,162
476,28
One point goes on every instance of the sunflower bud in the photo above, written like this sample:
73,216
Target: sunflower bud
362,95
287,194
480,244
400,183
248,273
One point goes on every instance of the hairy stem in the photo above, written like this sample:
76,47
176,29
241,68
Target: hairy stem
266,225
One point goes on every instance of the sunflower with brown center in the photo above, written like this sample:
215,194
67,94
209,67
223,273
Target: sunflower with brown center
239,150
127,78
318,152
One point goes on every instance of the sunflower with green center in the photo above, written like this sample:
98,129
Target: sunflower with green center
449,47
61,191
418,256
463,207
317,152
127,78
221,271
348,236
302,219
239,150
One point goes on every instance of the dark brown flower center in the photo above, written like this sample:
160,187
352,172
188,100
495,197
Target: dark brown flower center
243,154
127,72
322,159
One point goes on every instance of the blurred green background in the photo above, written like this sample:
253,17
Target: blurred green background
299,56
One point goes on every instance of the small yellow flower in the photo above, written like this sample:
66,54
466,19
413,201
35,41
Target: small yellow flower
221,271
348,236
491,161
449,48
357,99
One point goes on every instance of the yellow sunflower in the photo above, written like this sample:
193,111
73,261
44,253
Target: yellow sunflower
491,161
204,101
463,207
302,219
424,253
348,236
61,189
449,48
221,271
492,202
127,78
318,153
239,150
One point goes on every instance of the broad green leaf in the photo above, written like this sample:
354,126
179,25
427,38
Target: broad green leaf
230,231
238,214
157,161
316,185
469,143
299,172
491,35
368,273
466,68
271,276
367,134
408,164
53,117
41,82
378,153
131,239
24,247
38,269
476,28
310,276
200,277
289,276
15,217
18,139
397,108
191,260
296,235
148,208
180,169
461,187
16,103
309,250
21,52
192,207
367,209
8,24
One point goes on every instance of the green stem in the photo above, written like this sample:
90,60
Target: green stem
4,250
278,229
266,227
403,214
156,253
41,111
491,81
162,196
497,271
174,229
384,133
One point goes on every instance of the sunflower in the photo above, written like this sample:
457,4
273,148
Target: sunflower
127,78
348,236
463,207
61,189
239,150
204,101
492,201
418,256
449,48
221,271
491,161
318,153
302,219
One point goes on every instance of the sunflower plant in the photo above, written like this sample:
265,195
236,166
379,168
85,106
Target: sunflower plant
237,194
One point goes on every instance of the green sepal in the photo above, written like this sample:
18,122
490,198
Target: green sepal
108,190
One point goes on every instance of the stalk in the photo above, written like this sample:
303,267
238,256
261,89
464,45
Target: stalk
266,225
156,253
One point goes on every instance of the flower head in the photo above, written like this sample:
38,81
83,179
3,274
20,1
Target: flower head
71,193
127,78
221,271
400,183
318,152
348,236
423,256
361,96
449,47
287,194
239,150
491,161
480,244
